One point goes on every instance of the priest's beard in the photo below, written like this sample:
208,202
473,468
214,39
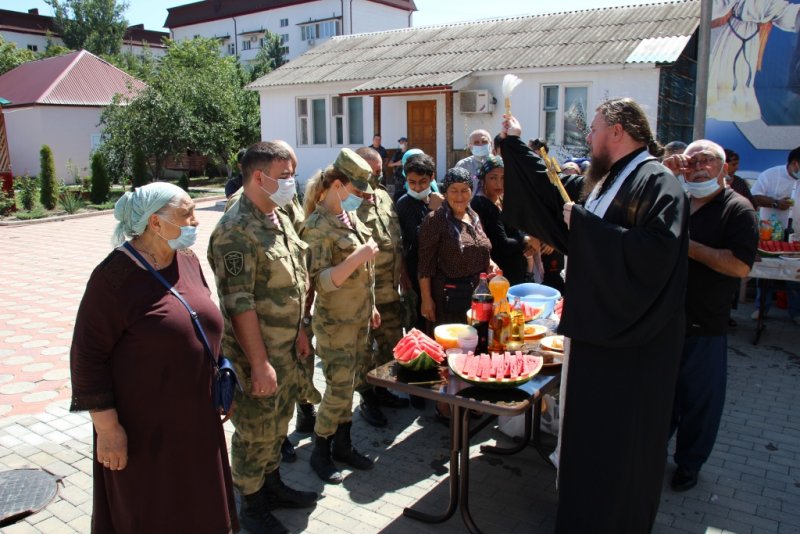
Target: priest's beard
601,164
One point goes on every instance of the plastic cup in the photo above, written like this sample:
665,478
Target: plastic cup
468,342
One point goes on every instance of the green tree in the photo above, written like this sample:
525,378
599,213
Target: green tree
48,185
141,66
269,57
100,183
53,49
139,171
12,57
95,25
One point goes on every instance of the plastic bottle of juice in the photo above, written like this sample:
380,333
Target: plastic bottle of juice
482,301
517,321
500,326
777,229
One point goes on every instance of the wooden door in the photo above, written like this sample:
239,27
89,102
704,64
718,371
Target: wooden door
421,128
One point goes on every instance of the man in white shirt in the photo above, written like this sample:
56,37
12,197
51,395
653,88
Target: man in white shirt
777,192
480,146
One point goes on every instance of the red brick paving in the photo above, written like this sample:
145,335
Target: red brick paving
44,268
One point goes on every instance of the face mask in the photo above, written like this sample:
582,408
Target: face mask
796,175
351,202
422,195
285,192
480,151
702,189
185,240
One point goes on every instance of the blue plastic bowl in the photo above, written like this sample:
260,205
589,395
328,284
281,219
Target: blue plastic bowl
535,295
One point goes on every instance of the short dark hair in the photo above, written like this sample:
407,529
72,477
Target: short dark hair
730,155
421,164
260,156
240,155
794,155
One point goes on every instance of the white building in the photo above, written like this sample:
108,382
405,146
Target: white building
240,25
58,102
437,84
34,31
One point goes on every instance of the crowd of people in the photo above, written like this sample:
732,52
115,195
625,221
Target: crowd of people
653,265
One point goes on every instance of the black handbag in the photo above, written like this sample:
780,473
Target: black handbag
458,295
225,380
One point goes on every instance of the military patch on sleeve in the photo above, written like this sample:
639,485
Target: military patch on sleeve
234,262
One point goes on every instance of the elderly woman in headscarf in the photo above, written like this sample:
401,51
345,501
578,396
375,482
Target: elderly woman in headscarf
453,252
509,246
139,368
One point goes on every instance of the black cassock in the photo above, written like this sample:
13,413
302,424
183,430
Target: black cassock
624,312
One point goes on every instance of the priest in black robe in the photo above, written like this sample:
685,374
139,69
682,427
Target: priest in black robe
623,312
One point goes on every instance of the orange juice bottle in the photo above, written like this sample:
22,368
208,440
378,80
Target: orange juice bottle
500,325
499,286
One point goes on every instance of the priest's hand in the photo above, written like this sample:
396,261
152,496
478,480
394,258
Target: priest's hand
511,126
568,212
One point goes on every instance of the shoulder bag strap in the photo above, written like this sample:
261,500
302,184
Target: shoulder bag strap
195,319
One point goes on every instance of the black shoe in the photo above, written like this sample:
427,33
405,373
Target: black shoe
386,398
684,478
306,418
287,452
256,518
279,495
343,450
370,409
321,461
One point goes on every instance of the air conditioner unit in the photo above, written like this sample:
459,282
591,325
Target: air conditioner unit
480,101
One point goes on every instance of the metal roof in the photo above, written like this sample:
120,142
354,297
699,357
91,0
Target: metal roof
428,56
74,79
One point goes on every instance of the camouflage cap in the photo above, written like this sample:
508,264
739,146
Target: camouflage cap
356,168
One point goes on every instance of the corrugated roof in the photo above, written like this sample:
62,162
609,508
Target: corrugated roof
74,79
207,10
654,33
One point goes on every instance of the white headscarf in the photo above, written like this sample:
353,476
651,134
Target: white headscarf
133,210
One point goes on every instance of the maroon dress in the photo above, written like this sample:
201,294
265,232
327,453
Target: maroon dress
135,349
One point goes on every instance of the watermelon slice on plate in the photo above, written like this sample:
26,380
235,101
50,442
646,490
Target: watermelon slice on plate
495,371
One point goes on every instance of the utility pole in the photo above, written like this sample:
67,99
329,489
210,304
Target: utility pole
703,52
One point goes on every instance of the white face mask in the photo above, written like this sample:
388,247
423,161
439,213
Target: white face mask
481,151
422,195
285,192
702,189
796,175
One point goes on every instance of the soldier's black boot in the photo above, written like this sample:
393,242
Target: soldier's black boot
279,495
287,451
370,409
343,450
306,418
321,461
256,518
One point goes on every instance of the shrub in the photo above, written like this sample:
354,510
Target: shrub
70,200
48,186
139,170
183,182
7,203
100,183
28,188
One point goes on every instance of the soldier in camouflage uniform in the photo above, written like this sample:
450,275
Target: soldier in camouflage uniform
306,416
378,214
259,263
342,274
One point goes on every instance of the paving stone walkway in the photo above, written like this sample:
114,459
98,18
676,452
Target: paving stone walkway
751,484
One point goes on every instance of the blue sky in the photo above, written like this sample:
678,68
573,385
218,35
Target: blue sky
153,13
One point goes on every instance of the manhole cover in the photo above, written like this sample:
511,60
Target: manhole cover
24,492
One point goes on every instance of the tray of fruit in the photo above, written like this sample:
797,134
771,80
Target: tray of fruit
417,352
498,370
777,248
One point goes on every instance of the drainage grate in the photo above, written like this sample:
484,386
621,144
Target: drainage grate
24,492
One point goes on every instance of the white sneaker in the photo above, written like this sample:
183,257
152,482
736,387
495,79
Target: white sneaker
754,316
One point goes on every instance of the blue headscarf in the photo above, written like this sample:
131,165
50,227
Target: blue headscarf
134,209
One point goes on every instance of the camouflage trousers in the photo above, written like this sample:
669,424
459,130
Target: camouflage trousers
345,359
260,426
308,392
388,334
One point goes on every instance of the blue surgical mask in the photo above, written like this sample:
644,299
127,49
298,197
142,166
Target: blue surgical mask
351,203
701,189
422,195
796,175
185,240
481,151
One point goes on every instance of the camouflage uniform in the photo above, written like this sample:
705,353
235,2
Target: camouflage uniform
381,219
341,314
259,266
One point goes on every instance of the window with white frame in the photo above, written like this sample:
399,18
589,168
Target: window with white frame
320,30
284,23
311,121
284,38
347,120
246,44
231,49
33,48
564,118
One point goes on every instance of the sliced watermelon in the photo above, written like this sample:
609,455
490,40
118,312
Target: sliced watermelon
472,369
485,366
472,366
